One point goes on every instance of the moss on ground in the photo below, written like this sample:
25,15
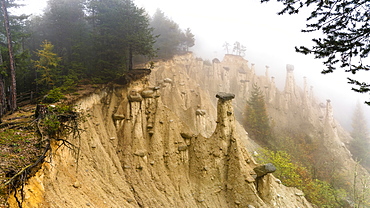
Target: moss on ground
19,146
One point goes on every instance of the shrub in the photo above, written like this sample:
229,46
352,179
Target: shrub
51,124
69,84
54,120
318,192
287,171
54,95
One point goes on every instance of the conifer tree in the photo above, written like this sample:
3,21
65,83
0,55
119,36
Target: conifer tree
47,66
239,49
189,40
360,145
257,122
121,31
64,24
170,39
343,40
14,60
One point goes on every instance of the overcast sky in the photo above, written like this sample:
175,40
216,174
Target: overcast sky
269,38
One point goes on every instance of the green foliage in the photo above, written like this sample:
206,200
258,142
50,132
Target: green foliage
92,40
50,75
54,95
18,148
300,146
61,109
69,84
51,124
64,24
121,31
318,192
257,122
25,75
286,171
323,194
12,36
47,66
360,189
11,136
53,121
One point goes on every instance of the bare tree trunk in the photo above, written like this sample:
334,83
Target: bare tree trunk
2,92
13,85
130,65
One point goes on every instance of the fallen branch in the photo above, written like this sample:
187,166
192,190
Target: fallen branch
11,124
39,160
15,176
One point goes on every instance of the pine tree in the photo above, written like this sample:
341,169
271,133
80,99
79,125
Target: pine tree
239,49
189,40
14,60
257,122
170,36
121,31
360,145
64,24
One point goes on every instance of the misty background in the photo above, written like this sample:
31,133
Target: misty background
269,39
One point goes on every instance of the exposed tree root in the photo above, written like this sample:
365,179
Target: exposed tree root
65,124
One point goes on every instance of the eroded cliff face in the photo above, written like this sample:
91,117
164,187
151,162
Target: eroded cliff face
294,109
163,141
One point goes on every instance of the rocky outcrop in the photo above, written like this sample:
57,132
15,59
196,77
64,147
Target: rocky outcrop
173,140
291,109
263,170
137,152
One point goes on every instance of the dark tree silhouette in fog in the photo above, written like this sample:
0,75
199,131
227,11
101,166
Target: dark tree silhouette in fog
360,145
171,40
345,42
121,31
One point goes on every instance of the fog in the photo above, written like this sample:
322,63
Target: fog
269,38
